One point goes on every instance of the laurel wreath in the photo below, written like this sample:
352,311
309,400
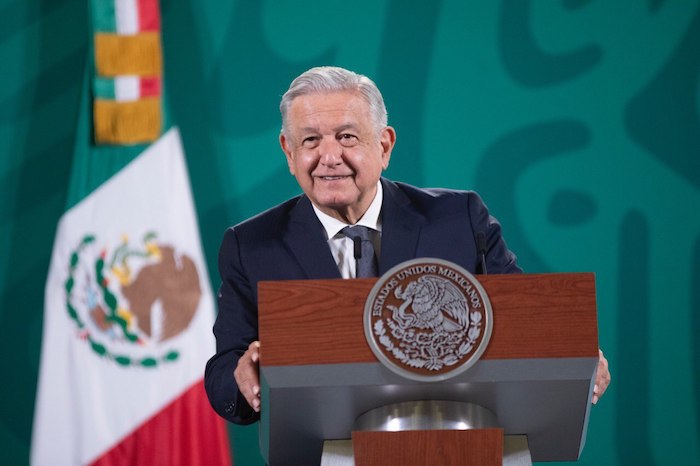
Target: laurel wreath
412,353
111,302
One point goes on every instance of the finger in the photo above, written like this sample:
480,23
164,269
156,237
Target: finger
245,379
246,375
255,357
602,383
254,349
250,389
595,398
598,390
602,378
255,401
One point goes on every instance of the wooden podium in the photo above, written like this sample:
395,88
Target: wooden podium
319,375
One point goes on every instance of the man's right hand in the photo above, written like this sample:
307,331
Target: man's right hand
246,375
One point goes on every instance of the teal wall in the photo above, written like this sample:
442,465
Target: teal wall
578,122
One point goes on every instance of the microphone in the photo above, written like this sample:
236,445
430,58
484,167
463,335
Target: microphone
357,242
481,247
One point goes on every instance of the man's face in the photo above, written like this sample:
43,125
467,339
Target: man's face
335,152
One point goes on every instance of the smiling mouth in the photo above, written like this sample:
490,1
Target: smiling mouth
333,178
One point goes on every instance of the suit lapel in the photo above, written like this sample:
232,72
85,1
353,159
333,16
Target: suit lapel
401,227
307,243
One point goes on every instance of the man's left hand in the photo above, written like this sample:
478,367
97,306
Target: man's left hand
602,377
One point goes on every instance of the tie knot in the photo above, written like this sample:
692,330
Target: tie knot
357,231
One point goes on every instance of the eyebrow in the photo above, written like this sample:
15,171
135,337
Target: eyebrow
337,129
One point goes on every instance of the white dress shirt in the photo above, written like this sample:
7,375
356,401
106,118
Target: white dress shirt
341,246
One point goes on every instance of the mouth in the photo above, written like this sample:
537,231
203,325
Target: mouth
333,178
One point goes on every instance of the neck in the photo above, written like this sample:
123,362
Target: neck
348,216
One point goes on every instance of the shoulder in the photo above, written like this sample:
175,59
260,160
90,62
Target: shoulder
269,223
432,200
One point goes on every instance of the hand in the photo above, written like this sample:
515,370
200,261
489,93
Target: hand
246,375
602,377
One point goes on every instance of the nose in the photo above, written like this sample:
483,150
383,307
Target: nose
331,152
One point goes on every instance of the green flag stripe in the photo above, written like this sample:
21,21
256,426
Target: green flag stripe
103,16
103,88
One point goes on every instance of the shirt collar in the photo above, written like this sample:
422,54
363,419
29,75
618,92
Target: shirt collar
370,219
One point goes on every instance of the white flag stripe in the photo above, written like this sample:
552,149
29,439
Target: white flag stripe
87,403
127,88
127,16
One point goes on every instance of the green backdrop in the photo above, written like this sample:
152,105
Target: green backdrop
577,121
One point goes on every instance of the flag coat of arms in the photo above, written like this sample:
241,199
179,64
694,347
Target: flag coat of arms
127,328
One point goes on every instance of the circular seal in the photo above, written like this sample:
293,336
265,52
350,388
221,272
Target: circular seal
129,303
428,319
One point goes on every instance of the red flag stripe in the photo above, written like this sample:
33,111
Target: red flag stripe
187,432
149,87
149,15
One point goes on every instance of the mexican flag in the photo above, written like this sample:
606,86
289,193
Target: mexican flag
128,308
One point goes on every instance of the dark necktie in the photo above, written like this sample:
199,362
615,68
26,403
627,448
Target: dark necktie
366,261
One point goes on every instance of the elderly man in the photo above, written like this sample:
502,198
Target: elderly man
337,143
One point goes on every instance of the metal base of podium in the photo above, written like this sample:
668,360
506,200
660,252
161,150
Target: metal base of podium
427,415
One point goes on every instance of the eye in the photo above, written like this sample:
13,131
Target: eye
310,142
347,139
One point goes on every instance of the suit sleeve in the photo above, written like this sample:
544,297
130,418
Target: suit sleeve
499,259
235,328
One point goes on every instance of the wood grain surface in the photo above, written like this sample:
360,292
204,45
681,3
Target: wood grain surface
321,321
483,447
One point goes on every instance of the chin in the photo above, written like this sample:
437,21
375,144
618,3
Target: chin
335,205
335,199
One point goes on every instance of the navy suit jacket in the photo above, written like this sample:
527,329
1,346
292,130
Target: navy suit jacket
288,242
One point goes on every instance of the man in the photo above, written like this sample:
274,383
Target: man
337,143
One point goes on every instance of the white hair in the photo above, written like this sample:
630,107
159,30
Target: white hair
326,79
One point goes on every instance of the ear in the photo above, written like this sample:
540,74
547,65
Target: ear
287,149
387,139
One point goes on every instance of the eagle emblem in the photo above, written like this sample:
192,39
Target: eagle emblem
433,303
428,319
130,302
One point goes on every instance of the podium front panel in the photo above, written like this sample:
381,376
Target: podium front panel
319,374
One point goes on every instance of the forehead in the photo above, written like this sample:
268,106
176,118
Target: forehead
315,110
